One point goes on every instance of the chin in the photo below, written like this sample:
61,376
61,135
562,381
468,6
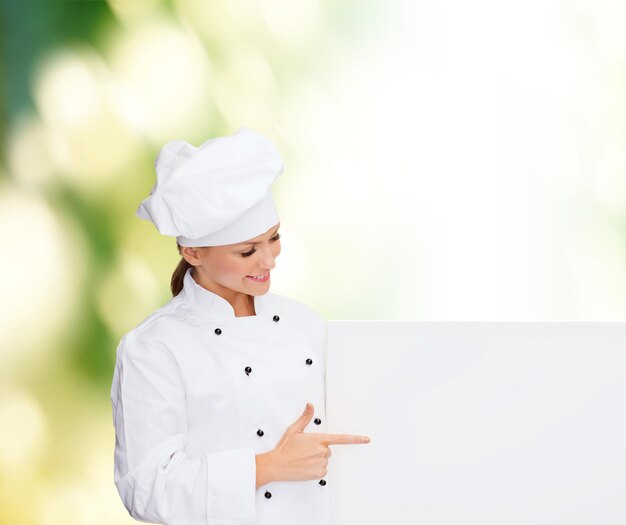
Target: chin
253,288
257,293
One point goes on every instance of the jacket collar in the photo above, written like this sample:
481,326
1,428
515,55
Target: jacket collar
208,302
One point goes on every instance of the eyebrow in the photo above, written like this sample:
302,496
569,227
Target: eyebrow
258,242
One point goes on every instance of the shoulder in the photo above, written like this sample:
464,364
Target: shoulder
157,327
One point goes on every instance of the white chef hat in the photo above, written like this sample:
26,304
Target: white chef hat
218,193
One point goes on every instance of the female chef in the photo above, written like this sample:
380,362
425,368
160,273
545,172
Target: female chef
214,392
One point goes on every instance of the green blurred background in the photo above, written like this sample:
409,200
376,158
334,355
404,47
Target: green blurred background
444,161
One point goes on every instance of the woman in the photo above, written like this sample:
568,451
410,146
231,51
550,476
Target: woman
213,393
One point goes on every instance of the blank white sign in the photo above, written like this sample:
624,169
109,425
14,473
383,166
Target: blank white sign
500,423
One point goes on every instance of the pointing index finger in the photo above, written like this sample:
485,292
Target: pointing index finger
343,439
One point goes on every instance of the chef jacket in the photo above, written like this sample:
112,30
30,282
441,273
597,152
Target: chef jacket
197,392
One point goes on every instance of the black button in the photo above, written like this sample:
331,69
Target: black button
259,432
268,495
322,482
276,318
317,421
218,331
248,370
309,361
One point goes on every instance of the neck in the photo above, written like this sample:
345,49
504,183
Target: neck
242,303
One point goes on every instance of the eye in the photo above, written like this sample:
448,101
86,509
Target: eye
248,254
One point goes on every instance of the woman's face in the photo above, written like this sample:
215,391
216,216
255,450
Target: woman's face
232,266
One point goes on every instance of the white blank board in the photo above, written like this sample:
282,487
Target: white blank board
477,422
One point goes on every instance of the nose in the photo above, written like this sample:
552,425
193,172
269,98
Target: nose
269,265
267,260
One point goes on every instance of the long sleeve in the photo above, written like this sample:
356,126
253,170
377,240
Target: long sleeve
154,476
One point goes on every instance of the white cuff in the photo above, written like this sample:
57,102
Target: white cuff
231,487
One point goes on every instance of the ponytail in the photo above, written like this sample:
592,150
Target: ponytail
178,276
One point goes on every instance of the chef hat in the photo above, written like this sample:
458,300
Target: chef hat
218,193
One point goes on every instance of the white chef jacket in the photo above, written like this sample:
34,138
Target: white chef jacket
198,392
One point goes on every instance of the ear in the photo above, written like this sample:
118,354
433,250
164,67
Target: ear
191,255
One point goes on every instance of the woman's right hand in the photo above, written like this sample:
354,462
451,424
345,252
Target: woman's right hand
300,456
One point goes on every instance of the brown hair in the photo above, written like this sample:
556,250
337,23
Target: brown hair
176,284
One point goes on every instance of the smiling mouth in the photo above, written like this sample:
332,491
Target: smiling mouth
260,278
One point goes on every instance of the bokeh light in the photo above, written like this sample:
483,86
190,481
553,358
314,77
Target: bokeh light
43,268
30,152
165,75
23,436
75,97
